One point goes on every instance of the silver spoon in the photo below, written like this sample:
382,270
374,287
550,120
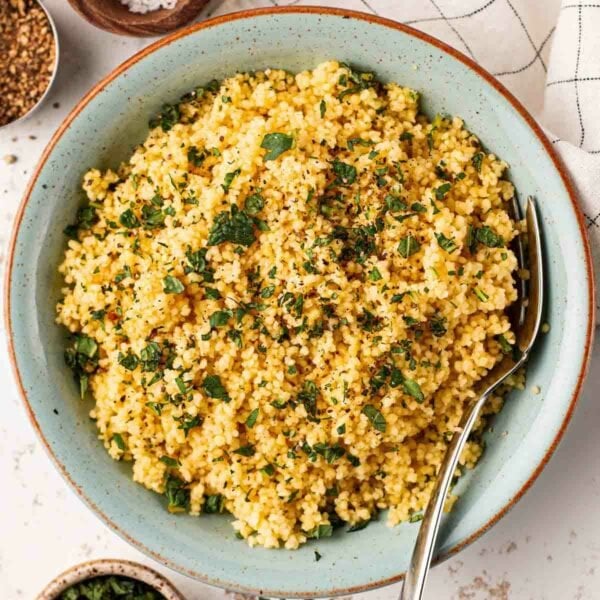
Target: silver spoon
526,316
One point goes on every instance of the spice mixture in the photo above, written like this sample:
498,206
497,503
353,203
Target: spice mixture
27,56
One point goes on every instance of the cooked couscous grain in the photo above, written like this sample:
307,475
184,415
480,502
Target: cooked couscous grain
281,304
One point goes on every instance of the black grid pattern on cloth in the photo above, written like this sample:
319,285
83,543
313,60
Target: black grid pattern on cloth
577,80
455,24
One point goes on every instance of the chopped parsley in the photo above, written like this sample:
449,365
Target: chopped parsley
129,361
82,358
481,295
322,108
308,398
477,160
356,81
375,275
486,236
408,246
170,462
345,174
442,190
254,204
375,417
229,177
247,450
213,388
177,493
167,118
235,226
505,345
196,157
276,144
220,318
117,438
188,422
412,388
172,285
445,243
321,531
251,419
128,219
213,504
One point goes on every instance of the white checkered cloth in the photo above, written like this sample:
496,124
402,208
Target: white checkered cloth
547,52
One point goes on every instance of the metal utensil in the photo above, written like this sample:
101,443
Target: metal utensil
526,316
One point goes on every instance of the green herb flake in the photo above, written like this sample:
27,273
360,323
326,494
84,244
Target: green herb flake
170,462
486,236
505,345
177,493
321,531
172,285
276,144
445,243
477,161
322,108
345,173
408,246
220,318
358,526
229,177
247,450
442,190
267,291
236,227
196,157
118,440
375,417
318,556
412,388
268,470
128,219
213,388
129,361
375,275
213,504
481,295
167,118
252,417
254,204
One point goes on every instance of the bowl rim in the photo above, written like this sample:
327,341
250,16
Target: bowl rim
348,14
109,566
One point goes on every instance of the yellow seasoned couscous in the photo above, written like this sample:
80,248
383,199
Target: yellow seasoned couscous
281,304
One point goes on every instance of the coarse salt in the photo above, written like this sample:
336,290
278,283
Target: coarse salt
144,6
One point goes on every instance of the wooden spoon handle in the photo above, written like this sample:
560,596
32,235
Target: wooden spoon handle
115,17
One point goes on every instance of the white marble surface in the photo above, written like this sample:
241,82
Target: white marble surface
547,548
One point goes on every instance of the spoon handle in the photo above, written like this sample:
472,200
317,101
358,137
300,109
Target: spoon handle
416,576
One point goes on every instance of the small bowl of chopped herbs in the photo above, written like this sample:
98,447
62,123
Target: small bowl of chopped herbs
109,579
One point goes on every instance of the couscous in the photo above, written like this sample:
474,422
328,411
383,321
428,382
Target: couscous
282,302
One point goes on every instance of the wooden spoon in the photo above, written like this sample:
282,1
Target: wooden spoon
115,17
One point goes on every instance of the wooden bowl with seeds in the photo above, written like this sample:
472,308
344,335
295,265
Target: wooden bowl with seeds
28,57
118,17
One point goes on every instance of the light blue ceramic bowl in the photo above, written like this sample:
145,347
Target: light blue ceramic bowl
102,130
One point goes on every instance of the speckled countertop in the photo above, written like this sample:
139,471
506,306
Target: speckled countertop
547,548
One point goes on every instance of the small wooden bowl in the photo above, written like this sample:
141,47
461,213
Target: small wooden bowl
115,17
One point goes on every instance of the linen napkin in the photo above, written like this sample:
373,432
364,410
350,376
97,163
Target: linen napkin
547,52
